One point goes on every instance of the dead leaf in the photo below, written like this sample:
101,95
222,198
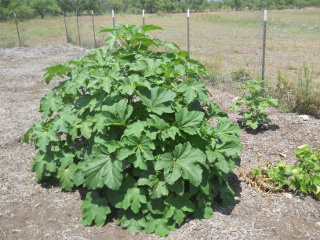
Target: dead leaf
282,155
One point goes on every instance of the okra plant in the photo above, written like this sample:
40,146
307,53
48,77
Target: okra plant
252,105
129,123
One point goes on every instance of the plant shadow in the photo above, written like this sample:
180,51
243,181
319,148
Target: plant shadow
263,128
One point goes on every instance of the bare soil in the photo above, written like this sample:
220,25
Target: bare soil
29,210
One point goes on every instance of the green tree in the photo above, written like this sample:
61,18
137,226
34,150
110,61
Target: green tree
198,5
136,6
116,5
21,8
44,7
236,4
4,11
215,5
150,6
300,3
166,5
79,6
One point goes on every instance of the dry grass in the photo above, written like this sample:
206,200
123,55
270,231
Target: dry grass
225,42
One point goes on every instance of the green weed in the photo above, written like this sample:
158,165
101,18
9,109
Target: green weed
252,105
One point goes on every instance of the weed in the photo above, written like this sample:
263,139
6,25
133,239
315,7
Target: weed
303,176
252,105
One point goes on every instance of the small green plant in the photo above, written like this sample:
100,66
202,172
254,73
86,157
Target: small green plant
306,172
130,124
303,176
252,105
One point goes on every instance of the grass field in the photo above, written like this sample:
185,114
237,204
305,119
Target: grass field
228,43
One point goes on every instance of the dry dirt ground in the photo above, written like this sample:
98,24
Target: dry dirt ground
31,211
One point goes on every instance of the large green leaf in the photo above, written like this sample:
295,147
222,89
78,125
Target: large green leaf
225,131
102,170
189,121
63,120
149,66
128,85
50,103
153,67
178,206
134,198
38,166
135,129
157,100
192,89
118,113
164,129
158,225
66,176
95,209
158,187
133,222
86,127
150,27
226,127
224,155
203,207
43,136
60,70
139,148
214,111
182,162
99,121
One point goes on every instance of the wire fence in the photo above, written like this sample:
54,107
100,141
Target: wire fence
233,45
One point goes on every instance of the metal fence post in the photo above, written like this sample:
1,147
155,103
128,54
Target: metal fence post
16,21
77,13
65,25
188,32
143,21
264,49
94,32
113,19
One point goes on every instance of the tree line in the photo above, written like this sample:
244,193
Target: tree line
41,8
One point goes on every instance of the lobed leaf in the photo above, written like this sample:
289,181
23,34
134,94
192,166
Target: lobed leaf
95,209
157,100
189,121
101,170
66,175
182,162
